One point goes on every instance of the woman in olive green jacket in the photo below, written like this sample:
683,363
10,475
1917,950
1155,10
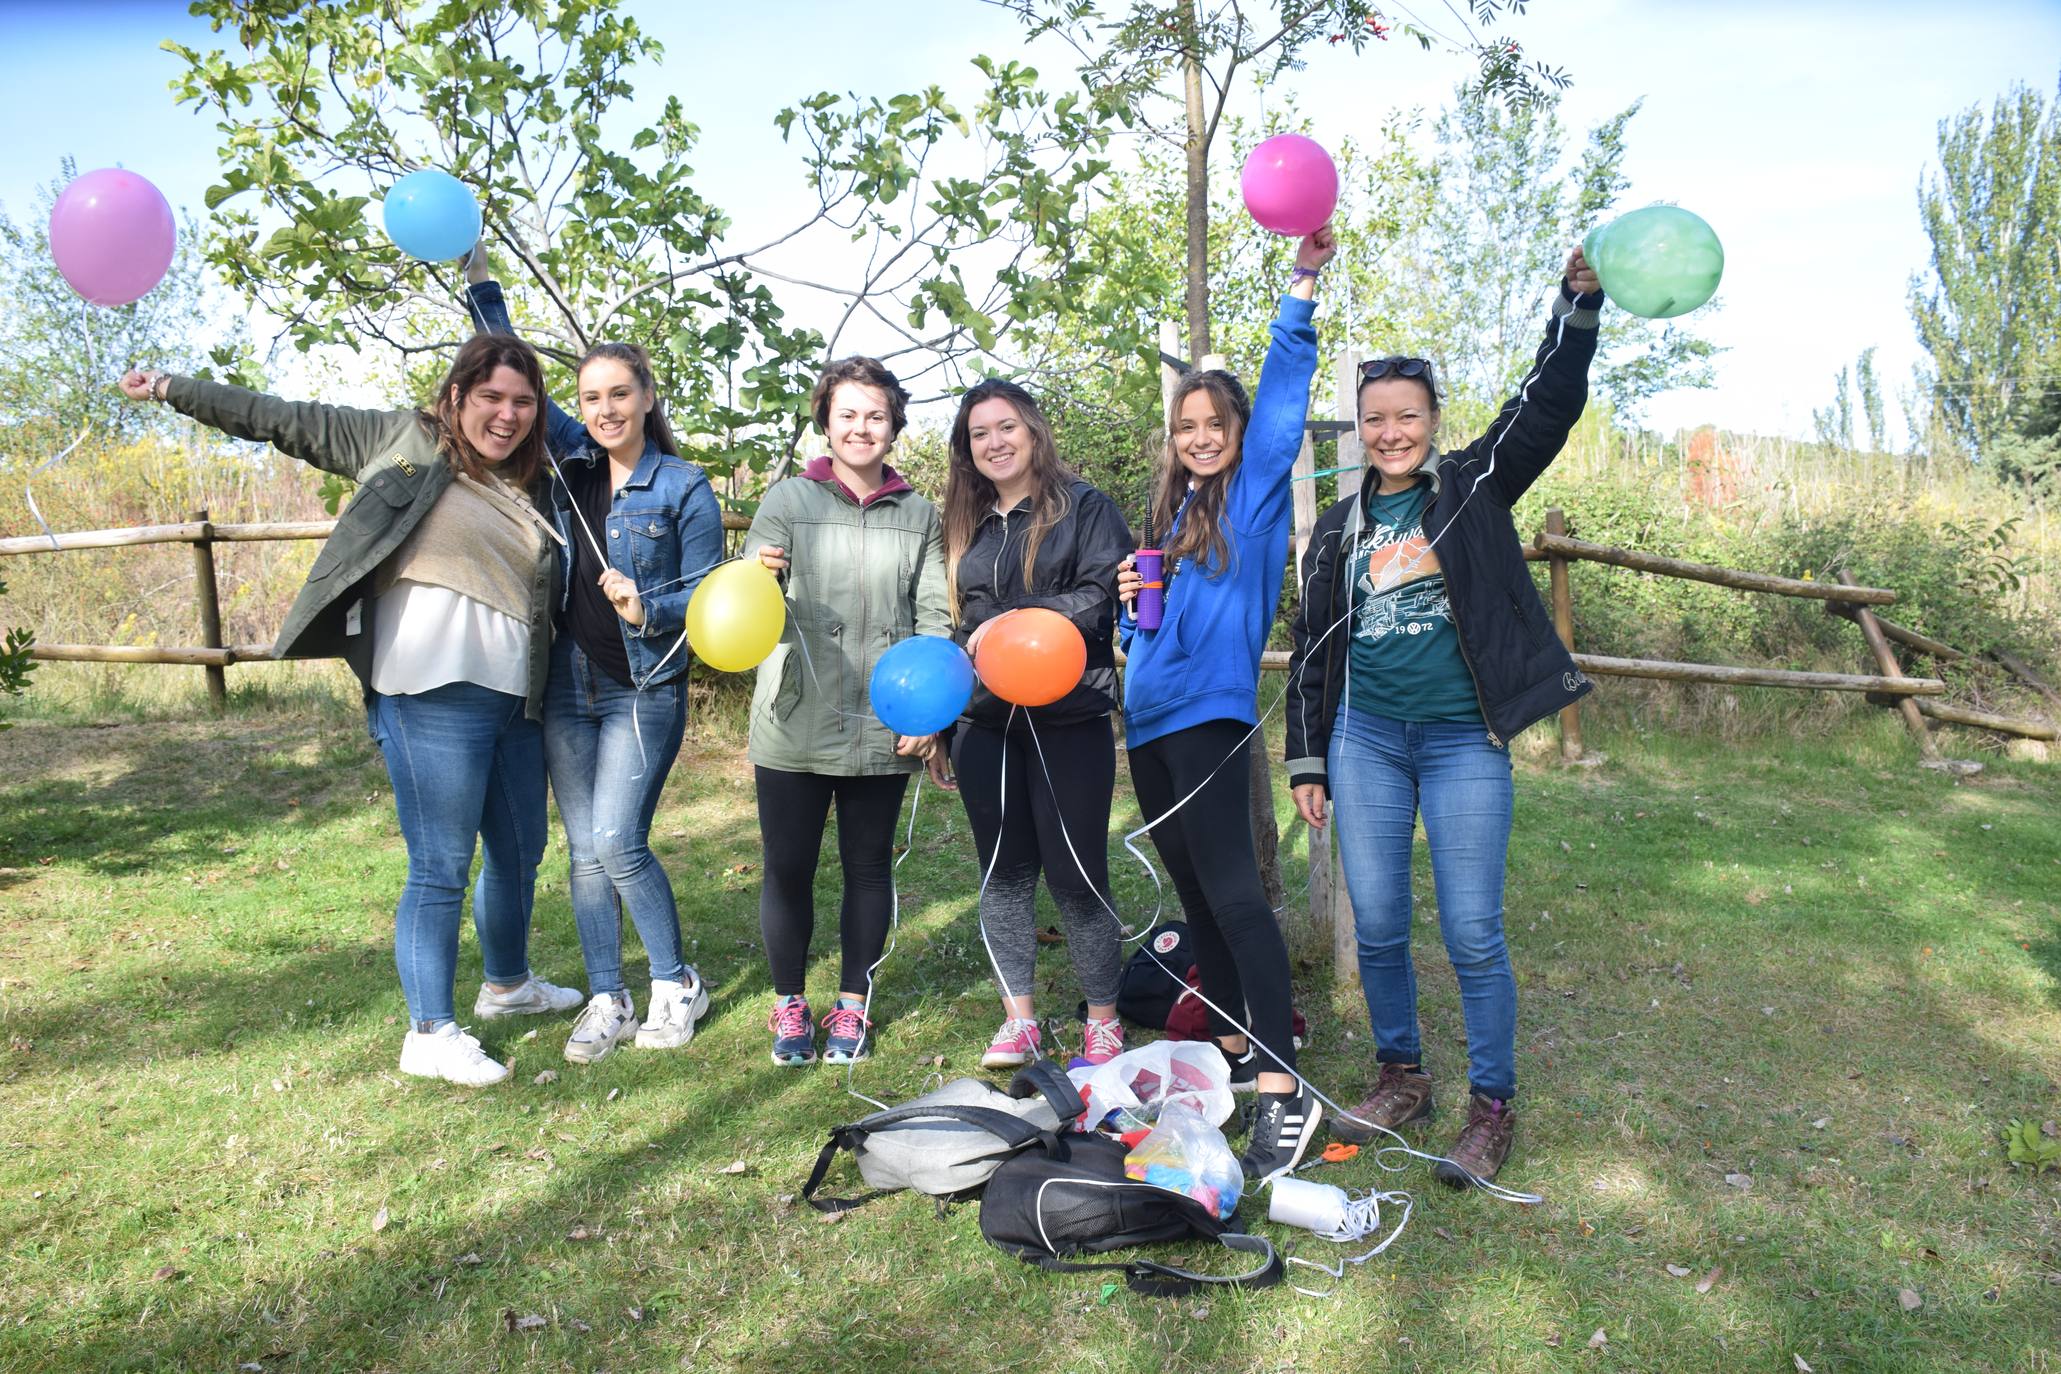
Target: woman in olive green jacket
862,556
435,587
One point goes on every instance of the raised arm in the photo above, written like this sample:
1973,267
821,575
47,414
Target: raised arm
1532,427
488,306
336,439
1258,498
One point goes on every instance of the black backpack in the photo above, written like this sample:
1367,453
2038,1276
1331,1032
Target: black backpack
1047,1204
1146,991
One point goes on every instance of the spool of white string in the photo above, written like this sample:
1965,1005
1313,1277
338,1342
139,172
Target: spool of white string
1317,1207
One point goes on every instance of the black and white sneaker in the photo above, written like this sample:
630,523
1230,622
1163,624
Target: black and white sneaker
1244,1069
1283,1125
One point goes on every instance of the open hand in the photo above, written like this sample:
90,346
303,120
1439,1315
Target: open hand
622,594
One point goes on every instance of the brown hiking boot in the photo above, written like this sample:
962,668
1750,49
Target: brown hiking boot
1483,1145
1400,1096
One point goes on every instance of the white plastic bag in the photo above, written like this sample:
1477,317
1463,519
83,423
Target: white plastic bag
1187,1155
1138,1083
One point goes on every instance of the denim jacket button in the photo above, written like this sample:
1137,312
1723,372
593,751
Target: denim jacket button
615,534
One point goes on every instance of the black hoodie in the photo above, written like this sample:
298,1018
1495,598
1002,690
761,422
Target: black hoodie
1075,576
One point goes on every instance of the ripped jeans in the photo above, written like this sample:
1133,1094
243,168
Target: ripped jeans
608,764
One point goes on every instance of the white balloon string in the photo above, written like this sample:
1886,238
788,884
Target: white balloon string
28,486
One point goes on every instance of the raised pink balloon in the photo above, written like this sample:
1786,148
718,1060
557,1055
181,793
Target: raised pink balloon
112,234
1290,185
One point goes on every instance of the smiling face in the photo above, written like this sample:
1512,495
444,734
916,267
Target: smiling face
1001,446
614,403
1203,441
1397,421
497,414
861,428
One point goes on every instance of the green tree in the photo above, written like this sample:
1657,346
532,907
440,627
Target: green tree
1835,422
1870,389
1990,309
58,354
601,232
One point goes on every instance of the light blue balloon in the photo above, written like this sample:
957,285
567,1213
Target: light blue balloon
433,216
921,685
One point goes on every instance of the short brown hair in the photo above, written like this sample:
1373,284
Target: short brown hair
866,372
477,359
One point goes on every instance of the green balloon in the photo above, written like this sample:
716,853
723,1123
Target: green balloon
1658,262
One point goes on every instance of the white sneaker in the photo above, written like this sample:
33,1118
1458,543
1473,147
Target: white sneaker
450,1054
533,997
602,1026
674,1008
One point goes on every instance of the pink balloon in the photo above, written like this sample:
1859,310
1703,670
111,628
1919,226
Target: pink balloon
1290,185
112,234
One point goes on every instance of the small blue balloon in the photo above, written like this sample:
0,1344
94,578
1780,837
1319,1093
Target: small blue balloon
433,216
921,685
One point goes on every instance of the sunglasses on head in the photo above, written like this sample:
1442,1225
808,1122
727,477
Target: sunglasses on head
1398,366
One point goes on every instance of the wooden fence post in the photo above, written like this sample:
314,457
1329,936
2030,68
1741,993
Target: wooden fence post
1563,621
1886,661
210,609
1329,900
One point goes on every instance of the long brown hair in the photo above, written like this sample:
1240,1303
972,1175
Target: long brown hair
634,357
969,495
1201,536
477,359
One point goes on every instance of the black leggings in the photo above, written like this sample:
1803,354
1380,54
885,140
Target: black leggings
1034,820
1207,849
793,808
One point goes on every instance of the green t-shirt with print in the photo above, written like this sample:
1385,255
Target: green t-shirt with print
1405,660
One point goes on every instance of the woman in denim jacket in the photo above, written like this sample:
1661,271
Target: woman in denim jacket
616,705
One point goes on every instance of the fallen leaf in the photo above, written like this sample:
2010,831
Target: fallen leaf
735,1166
1821,1123
524,1323
530,1036
579,1233
1678,1271
468,1258
1709,1281
1554,1340
635,1314
538,1153
164,1272
613,1094
547,1076
1801,1367
832,1218
1909,1300
380,1220
1199,1311
578,1325
1599,1340
1740,1181
785,1199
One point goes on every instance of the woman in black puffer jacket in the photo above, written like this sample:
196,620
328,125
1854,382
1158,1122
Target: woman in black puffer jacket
1021,530
1421,649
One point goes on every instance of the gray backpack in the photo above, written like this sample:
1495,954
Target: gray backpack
950,1141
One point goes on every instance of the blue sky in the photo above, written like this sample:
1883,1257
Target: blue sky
1799,130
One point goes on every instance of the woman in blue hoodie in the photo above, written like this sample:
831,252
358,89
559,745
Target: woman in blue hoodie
1221,515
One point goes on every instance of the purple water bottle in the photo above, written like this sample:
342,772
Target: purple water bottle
1151,596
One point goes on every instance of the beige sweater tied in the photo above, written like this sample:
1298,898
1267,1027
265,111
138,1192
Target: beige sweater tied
480,539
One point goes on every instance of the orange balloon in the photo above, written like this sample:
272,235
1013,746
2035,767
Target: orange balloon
1031,657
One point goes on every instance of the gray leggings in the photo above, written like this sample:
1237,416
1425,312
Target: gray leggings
1032,820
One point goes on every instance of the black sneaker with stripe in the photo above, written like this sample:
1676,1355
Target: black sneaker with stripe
1245,1069
1283,1125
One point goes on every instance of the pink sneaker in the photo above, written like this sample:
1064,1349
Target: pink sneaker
1103,1041
1016,1043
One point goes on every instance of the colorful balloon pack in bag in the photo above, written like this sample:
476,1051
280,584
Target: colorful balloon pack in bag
1185,1154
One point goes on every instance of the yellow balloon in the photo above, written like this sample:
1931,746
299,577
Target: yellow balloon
735,616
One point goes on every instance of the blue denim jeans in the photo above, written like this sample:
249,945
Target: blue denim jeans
609,749
465,763
1382,774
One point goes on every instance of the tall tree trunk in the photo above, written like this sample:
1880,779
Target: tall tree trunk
1266,837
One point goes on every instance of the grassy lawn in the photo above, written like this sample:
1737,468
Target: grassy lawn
1805,962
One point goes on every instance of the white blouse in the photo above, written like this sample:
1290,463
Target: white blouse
425,637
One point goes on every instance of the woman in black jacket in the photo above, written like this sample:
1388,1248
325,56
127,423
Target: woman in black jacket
1421,649
1021,530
